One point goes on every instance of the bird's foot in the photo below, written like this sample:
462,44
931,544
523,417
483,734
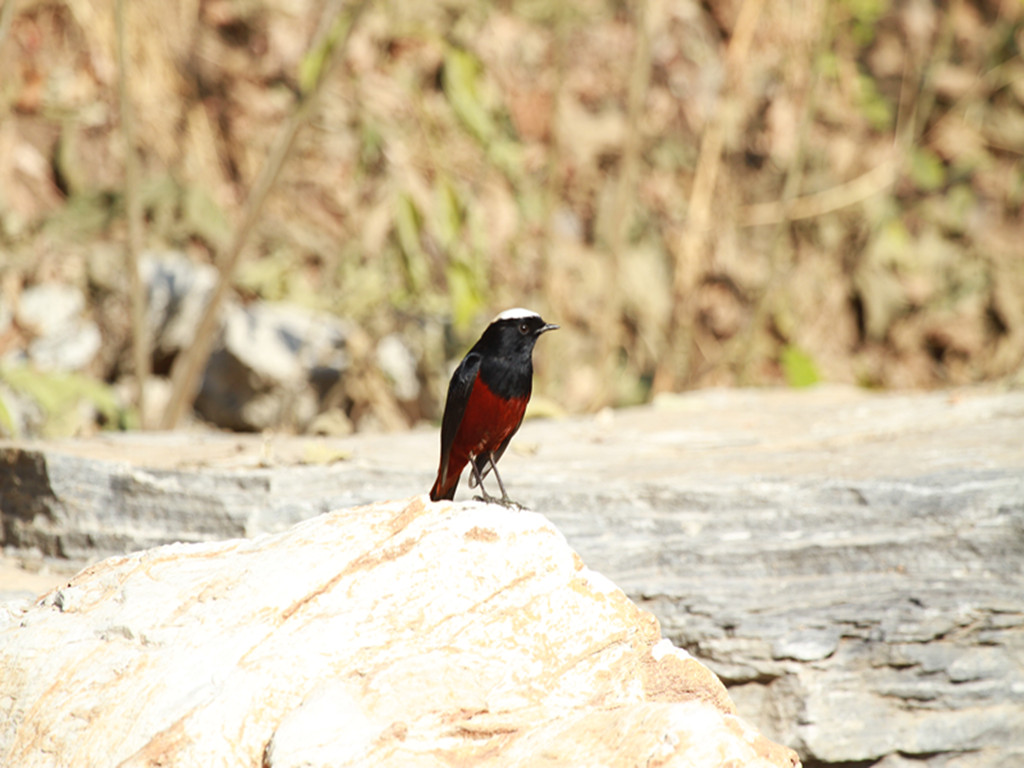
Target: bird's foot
505,502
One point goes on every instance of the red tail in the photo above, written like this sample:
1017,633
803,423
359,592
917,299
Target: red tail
437,493
447,491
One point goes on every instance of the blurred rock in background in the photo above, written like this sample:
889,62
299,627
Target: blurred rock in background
264,372
63,338
177,290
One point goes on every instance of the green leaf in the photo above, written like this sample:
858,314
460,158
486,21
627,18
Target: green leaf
958,204
798,367
449,214
408,226
865,15
85,215
506,157
7,426
875,107
61,395
268,277
460,79
204,218
926,170
465,295
371,148
311,68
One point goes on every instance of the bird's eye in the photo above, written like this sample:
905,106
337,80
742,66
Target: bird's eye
524,328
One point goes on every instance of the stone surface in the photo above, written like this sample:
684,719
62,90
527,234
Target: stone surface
400,634
849,563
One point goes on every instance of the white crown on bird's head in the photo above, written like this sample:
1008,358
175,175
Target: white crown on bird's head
516,313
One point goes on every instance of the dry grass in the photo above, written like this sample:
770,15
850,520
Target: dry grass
700,194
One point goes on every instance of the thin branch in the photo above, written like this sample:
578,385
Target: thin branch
6,17
133,210
190,364
710,158
865,186
942,51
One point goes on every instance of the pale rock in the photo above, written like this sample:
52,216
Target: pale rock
272,361
47,308
399,365
271,364
64,338
399,634
71,348
279,342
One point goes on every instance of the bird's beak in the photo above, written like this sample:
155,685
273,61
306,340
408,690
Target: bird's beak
548,327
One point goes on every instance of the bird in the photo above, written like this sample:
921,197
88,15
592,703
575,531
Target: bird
487,397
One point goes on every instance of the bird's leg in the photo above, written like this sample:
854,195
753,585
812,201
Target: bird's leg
505,500
479,480
494,468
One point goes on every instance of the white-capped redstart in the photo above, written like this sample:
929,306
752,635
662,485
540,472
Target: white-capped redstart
487,398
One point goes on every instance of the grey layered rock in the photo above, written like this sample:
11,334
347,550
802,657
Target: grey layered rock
850,564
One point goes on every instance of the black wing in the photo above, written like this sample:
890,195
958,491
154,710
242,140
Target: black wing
455,406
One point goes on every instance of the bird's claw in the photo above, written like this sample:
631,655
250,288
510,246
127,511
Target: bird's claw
505,502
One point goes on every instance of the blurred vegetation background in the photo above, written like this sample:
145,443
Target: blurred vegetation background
727,192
